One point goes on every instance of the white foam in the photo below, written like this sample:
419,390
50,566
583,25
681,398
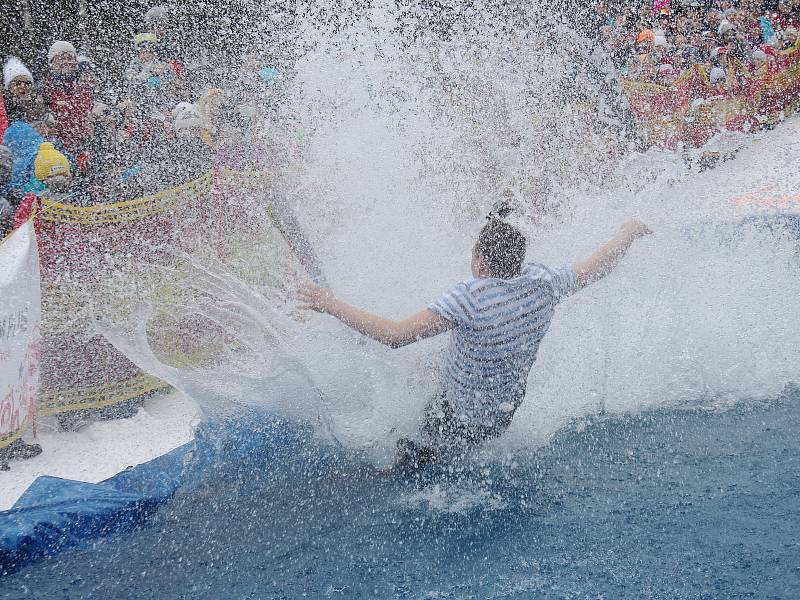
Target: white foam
454,499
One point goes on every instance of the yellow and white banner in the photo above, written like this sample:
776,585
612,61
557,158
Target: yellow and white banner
20,319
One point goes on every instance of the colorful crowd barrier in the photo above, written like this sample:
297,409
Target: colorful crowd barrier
94,262
692,109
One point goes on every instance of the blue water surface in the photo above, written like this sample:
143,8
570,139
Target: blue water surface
670,504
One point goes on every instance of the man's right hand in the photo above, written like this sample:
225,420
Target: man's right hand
315,297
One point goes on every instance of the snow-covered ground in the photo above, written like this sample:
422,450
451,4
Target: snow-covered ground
103,448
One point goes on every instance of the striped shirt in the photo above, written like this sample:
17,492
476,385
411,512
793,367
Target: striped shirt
497,327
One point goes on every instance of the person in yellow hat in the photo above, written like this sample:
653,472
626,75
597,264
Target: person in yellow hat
52,171
50,163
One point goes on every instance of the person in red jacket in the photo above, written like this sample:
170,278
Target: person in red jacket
69,102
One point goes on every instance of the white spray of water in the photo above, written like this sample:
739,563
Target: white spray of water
402,162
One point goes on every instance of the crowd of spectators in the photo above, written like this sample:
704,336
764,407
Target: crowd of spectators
657,40
73,136
69,136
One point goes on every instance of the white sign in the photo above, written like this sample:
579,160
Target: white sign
20,319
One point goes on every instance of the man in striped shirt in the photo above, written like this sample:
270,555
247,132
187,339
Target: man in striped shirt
497,320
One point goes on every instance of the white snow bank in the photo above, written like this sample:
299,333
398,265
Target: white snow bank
103,448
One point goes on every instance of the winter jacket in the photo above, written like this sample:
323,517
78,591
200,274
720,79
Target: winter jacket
71,105
25,209
23,141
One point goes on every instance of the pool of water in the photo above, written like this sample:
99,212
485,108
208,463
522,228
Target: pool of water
666,504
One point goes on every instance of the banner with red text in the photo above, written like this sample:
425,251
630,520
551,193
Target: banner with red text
20,319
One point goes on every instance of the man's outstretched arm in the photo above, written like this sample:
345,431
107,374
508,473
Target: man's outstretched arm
394,334
605,258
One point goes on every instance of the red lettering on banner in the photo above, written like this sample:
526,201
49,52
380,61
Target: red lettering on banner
5,414
9,414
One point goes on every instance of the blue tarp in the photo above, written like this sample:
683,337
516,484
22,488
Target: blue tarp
54,514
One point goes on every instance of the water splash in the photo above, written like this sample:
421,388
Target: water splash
404,149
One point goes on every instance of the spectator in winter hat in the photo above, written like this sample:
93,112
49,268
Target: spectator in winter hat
157,20
52,170
646,35
726,31
666,74
149,78
31,124
49,163
106,160
691,56
188,119
147,46
644,44
17,79
708,41
759,57
16,96
69,102
62,58
784,17
717,75
190,122
719,58
192,153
